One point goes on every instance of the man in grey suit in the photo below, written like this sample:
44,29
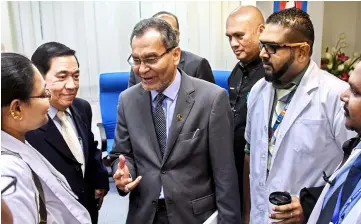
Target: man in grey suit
173,137
190,63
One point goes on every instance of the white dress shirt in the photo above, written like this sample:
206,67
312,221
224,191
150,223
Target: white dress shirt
61,204
53,115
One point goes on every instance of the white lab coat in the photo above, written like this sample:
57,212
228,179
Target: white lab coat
309,139
61,204
354,216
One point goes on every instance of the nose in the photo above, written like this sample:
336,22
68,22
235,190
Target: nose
233,42
70,83
345,96
143,68
263,53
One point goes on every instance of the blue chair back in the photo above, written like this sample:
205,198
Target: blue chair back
111,85
221,78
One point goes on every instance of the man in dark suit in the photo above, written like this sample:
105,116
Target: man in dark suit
190,63
174,138
66,141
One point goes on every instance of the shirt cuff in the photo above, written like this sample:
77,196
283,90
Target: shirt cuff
247,149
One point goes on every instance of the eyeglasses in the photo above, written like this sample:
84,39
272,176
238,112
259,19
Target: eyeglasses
271,48
46,94
9,183
147,61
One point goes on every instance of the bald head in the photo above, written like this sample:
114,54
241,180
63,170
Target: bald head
243,28
247,13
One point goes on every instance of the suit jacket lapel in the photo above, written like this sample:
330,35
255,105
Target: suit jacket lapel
56,140
183,106
82,129
146,115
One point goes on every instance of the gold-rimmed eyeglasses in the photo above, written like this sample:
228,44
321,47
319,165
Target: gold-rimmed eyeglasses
133,61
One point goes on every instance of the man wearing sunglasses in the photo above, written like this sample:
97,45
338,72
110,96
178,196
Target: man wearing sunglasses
295,125
190,63
173,139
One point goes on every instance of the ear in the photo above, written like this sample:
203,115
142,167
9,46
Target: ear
176,52
260,28
16,110
304,52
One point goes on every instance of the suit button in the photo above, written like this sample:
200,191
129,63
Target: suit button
154,202
82,190
77,168
163,171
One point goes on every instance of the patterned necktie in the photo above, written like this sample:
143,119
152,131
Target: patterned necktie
71,139
160,123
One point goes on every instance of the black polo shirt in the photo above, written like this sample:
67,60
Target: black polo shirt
240,83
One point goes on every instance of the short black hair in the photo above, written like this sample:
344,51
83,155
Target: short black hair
298,21
17,78
168,35
169,14
44,53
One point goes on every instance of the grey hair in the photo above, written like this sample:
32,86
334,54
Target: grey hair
168,35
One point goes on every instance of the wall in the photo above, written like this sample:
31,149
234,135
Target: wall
358,32
6,36
342,17
100,31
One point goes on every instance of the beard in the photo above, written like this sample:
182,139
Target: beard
275,76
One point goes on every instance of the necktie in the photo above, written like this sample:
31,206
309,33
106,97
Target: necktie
160,123
71,139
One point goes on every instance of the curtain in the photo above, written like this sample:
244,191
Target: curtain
100,32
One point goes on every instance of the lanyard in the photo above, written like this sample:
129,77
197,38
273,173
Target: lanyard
338,212
281,116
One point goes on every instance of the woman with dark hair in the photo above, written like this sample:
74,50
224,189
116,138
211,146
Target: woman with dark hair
41,194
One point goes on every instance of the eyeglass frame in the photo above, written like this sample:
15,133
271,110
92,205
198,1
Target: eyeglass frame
157,58
12,183
46,94
277,46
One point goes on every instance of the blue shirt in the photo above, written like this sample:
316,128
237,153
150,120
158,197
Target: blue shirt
168,104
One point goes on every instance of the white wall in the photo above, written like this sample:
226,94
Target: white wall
6,37
99,31
343,17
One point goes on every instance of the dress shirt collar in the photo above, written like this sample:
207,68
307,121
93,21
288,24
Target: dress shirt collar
172,90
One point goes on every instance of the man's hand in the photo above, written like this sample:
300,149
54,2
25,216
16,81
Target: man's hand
99,196
122,179
289,214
